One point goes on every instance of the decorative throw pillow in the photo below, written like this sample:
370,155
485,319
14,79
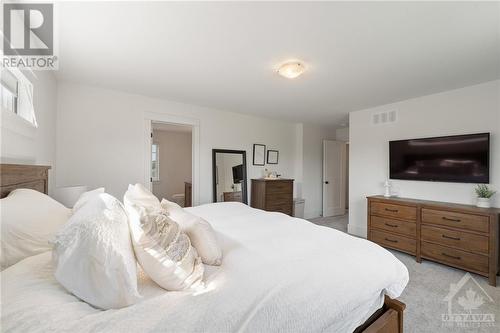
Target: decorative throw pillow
86,197
93,255
164,252
30,220
200,232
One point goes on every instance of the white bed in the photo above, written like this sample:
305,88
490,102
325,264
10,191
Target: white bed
278,274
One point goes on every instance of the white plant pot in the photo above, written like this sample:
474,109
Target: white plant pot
483,202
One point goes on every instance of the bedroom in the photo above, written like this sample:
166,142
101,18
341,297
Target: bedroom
210,66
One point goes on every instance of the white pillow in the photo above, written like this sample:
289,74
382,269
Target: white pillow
200,232
29,221
86,197
142,198
164,252
93,255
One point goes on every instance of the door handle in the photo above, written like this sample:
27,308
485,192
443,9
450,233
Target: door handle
326,182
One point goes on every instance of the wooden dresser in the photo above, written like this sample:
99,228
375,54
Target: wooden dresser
188,194
461,236
233,196
275,195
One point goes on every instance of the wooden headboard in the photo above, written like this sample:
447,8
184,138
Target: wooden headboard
14,176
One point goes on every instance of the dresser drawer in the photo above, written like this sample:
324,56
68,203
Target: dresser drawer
456,220
459,258
392,210
405,228
456,239
393,241
279,198
286,209
279,187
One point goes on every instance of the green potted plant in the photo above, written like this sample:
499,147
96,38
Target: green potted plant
484,193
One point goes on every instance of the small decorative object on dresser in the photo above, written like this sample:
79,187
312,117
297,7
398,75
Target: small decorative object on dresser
272,156
484,194
461,236
274,195
387,186
259,154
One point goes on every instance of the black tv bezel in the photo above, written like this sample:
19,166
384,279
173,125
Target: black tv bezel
488,135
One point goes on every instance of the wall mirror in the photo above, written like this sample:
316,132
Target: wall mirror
229,181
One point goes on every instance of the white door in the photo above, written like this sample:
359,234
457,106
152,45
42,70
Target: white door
334,172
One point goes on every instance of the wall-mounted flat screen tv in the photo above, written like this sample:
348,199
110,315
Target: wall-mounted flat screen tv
238,174
457,158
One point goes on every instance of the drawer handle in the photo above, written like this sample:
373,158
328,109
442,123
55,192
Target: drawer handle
452,220
391,240
391,210
449,237
453,257
391,225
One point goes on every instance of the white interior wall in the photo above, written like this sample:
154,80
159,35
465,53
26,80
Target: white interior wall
24,144
468,110
299,160
342,134
88,154
175,162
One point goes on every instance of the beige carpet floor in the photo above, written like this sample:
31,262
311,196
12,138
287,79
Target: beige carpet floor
476,306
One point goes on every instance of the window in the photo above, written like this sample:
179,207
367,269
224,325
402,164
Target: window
155,162
9,91
17,95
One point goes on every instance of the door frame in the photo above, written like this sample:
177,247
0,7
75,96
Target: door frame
342,184
149,118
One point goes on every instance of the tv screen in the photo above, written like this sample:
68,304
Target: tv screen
238,174
458,158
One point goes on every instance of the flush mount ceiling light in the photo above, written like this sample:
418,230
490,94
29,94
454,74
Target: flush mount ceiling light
291,69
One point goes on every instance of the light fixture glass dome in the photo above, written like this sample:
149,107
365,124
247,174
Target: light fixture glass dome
292,69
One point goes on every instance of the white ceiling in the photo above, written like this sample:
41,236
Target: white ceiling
224,54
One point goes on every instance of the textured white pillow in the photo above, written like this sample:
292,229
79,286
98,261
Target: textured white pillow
29,221
200,232
93,255
164,252
143,200
86,197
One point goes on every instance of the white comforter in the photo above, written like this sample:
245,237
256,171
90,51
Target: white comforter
278,274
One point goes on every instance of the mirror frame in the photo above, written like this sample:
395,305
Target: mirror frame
214,172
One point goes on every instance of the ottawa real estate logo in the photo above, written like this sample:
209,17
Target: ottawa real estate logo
467,302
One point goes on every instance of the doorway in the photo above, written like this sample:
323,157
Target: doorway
154,119
334,178
171,162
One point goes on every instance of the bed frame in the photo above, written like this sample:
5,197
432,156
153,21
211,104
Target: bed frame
388,319
14,176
